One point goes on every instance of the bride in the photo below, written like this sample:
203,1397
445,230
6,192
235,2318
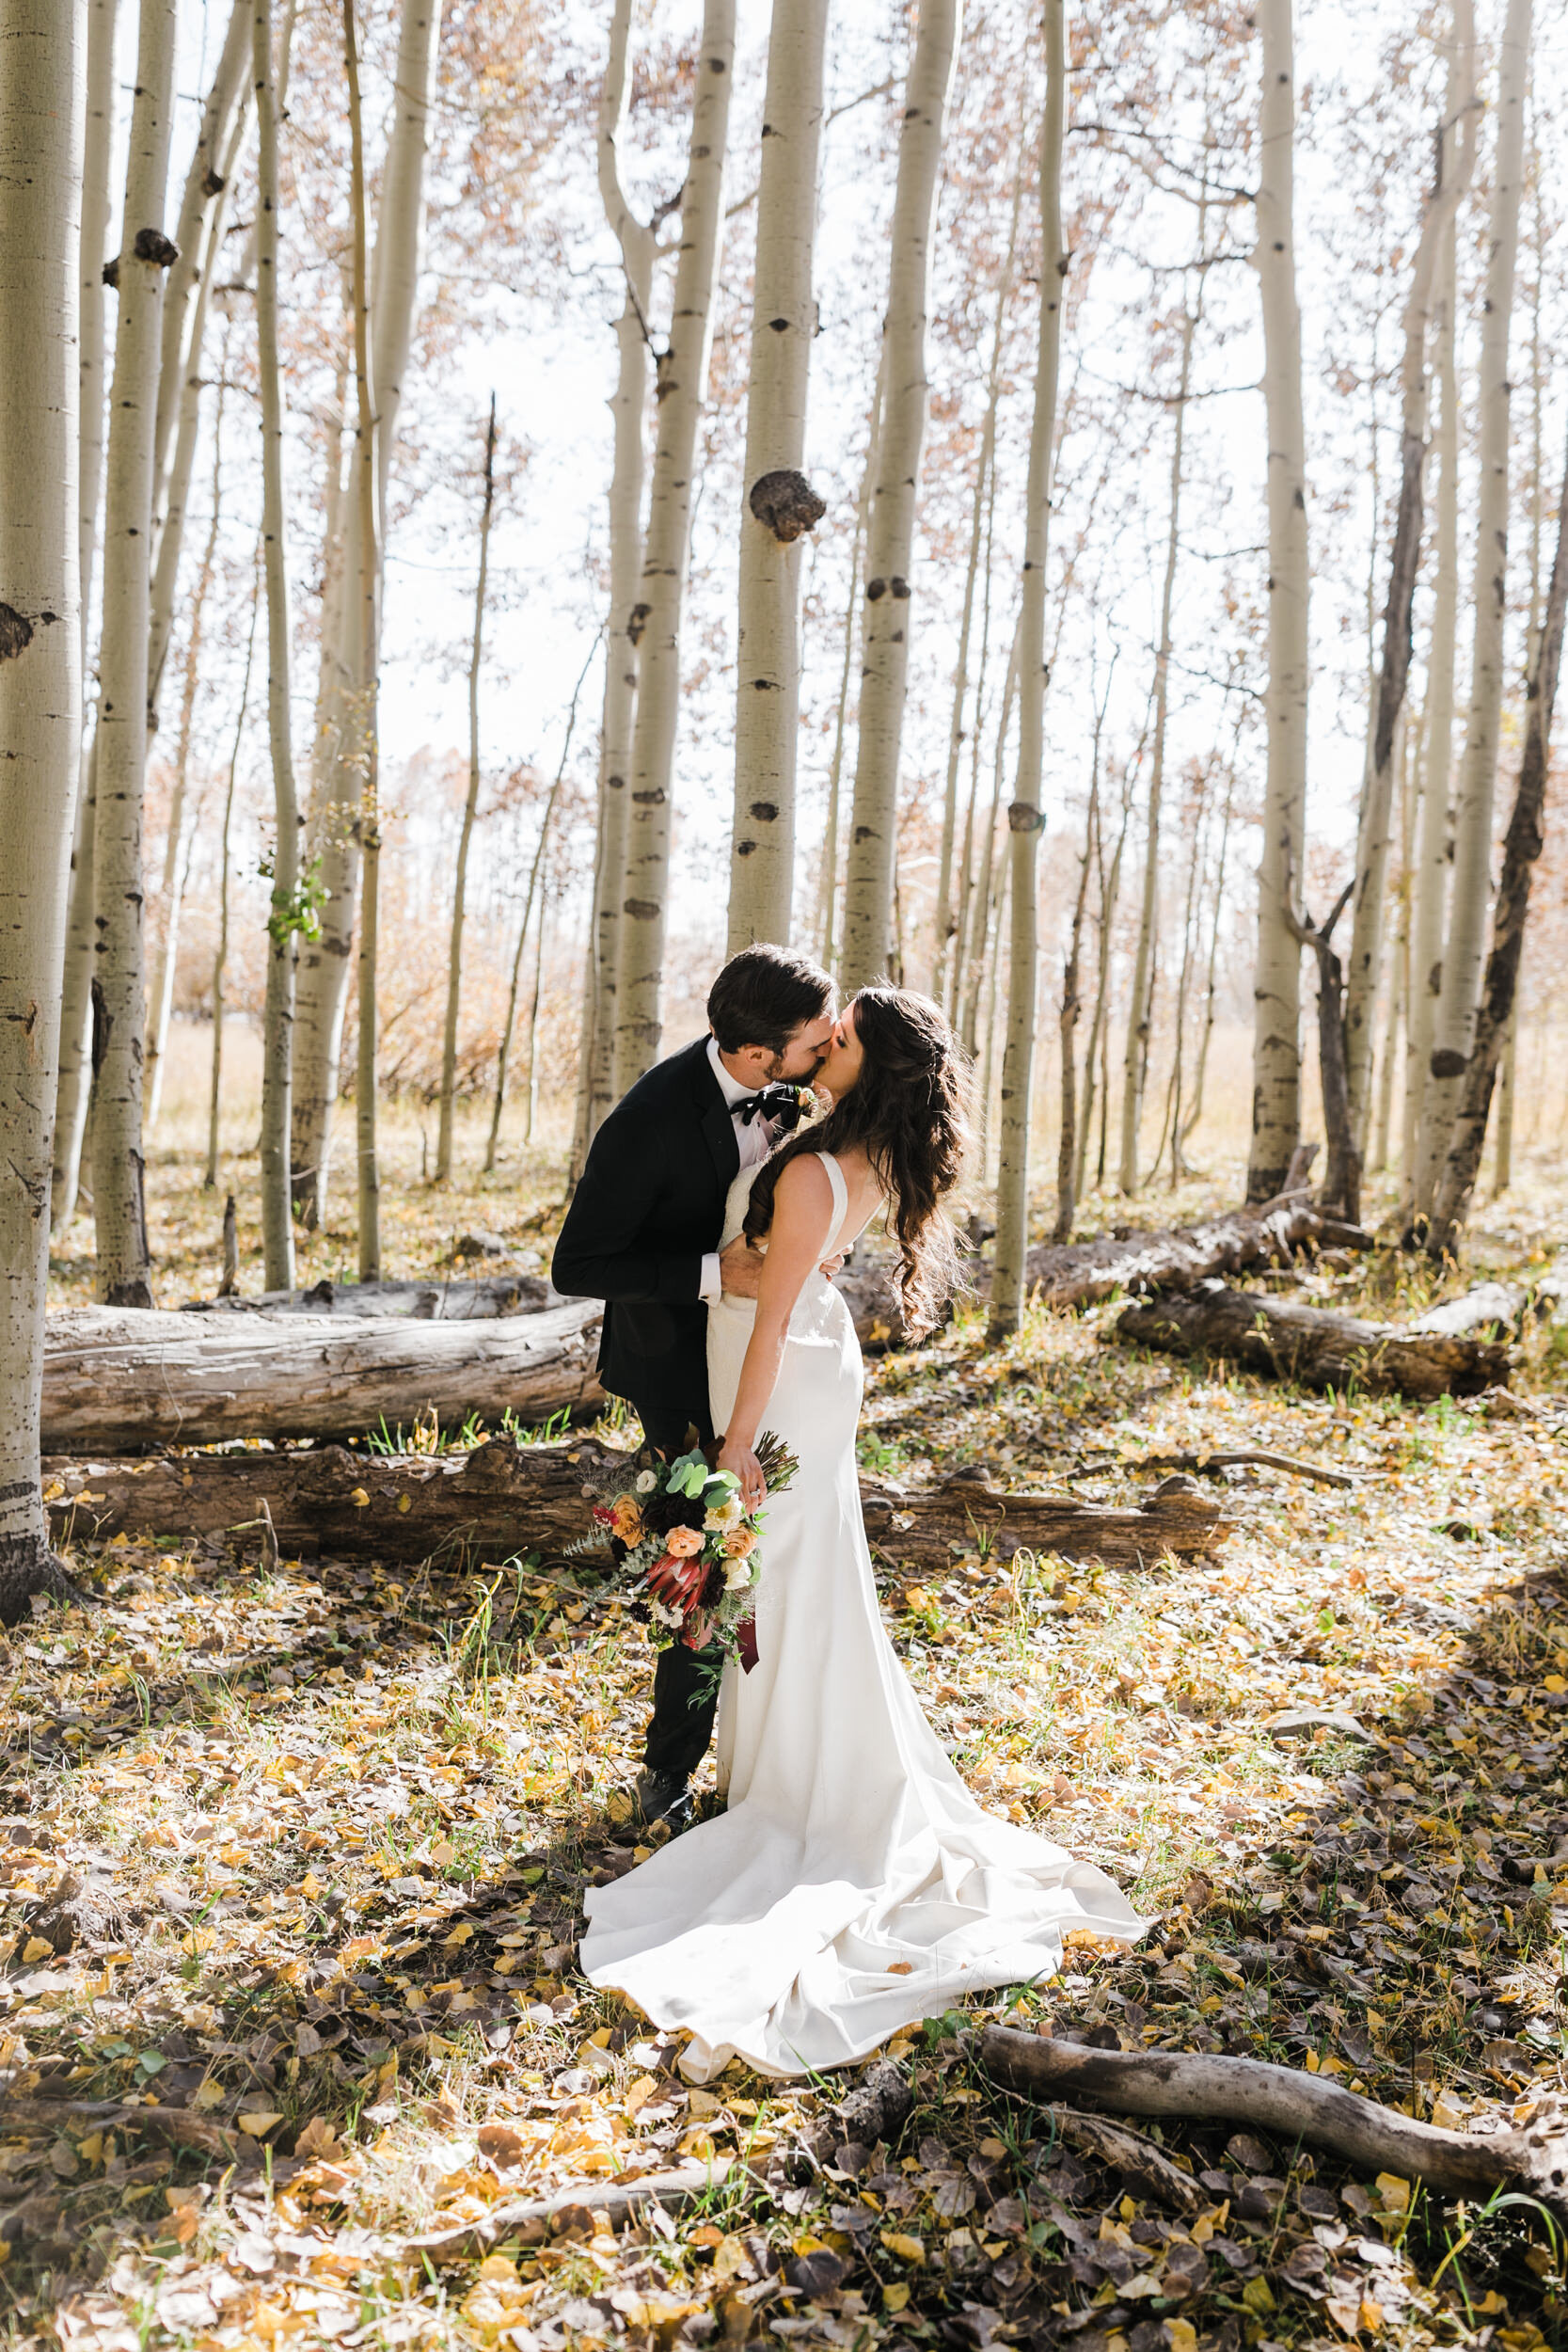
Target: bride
853,1885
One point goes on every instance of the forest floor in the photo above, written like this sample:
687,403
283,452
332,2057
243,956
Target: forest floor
335,1824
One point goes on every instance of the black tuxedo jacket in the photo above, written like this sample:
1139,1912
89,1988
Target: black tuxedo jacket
649,1207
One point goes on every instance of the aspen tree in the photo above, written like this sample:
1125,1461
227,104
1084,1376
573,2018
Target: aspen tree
362,593
1420,1157
338,781
118,983
827,912
1522,845
1463,949
1097,1090
1188,1126
1025,819
220,953
1455,146
73,1093
503,1054
1277,986
1140,1015
960,916
161,1001
946,922
173,487
196,227
1072,1006
44,44
286,920
471,806
984,896
889,538
682,371
629,409
780,506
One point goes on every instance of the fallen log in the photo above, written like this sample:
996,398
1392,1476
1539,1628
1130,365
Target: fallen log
1077,1274
502,1498
1309,1344
475,1298
1501,1307
1291,2106
117,1379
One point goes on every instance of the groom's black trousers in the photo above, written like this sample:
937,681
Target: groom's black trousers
684,1694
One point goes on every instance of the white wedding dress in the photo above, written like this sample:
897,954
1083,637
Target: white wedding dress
853,1885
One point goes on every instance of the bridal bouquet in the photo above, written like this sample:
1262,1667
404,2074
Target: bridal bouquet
688,1546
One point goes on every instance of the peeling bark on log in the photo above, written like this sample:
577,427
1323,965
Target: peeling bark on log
117,1380
1292,2107
476,1299
1077,1274
1311,1345
502,1498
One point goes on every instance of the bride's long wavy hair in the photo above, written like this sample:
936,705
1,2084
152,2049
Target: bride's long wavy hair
908,1113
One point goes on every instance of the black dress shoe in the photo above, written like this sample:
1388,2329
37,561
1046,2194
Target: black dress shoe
661,1797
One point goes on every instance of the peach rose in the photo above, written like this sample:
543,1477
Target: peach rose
684,1543
741,1543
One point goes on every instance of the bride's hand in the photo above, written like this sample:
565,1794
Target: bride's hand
745,1466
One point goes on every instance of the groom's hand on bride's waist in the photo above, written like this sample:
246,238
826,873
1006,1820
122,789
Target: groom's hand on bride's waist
740,1269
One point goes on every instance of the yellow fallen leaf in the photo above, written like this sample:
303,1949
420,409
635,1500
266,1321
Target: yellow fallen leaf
405,1503
496,2268
641,2091
701,2104
1555,1682
908,2250
359,1499
1394,2192
901,1968
36,1948
1259,2296
460,1935
1181,2335
207,2095
896,2295
259,2121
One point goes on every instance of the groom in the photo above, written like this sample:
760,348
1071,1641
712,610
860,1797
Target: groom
643,1234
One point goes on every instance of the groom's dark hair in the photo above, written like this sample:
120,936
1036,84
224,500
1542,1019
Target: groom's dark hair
763,995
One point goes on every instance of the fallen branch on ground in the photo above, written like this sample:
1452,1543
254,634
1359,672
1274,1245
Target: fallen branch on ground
1207,1463
174,2125
501,1500
534,2215
1292,2107
1312,1345
117,1379
1134,2157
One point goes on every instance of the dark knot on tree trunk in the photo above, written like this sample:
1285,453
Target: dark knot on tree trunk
152,246
787,503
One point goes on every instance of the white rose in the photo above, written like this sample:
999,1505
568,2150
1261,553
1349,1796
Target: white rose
646,1481
738,1574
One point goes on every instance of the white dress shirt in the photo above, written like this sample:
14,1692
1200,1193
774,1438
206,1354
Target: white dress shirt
755,1138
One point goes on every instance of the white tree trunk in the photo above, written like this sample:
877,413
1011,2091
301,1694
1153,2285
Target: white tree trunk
779,507
74,1089
827,909
470,806
173,485
1420,1157
629,409
1456,148
220,953
119,984
338,780
362,596
1026,820
682,385
1140,1015
1464,948
948,919
197,229
161,1001
906,400
43,43
284,921
1277,987
982,899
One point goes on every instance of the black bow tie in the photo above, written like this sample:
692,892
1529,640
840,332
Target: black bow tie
780,1104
